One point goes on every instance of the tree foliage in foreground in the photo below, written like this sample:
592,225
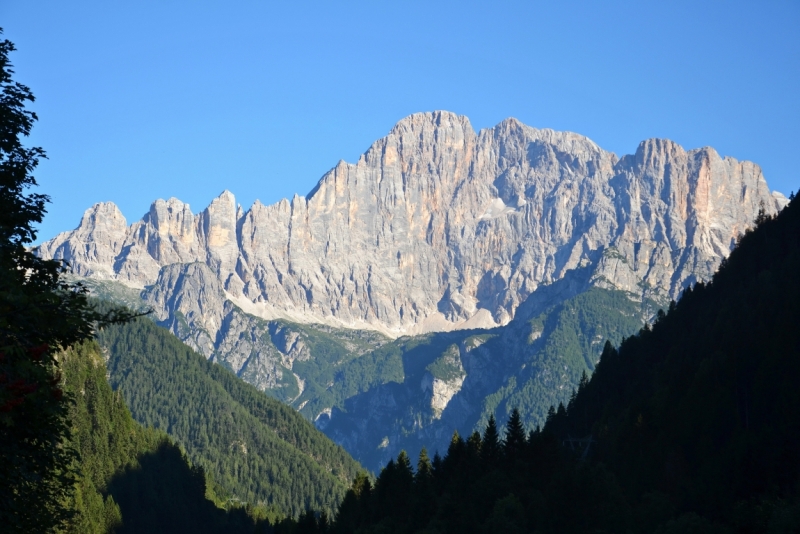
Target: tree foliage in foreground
690,426
39,314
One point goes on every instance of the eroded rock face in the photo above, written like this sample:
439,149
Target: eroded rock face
443,380
437,227
93,248
190,301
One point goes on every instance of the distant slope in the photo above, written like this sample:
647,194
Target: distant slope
425,387
256,448
132,479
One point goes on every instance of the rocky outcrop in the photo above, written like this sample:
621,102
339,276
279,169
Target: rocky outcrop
443,380
438,227
93,248
190,301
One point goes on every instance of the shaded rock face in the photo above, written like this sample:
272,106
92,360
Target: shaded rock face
189,300
439,227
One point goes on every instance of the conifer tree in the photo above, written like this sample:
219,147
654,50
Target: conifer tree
490,445
424,468
473,446
404,469
362,486
551,413
456,453
584,380
354,509
436,464
514,442
456,444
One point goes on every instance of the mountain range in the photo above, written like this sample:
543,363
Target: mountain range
445,276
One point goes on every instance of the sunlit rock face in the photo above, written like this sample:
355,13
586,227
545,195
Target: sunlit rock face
439,227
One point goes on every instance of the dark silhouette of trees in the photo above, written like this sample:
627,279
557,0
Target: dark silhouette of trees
514,442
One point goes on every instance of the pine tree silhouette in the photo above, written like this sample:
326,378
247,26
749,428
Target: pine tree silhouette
490,445
514,442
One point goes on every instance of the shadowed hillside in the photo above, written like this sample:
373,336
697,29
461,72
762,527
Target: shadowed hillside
257,449
133,479
692,425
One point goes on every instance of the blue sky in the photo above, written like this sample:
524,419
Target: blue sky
152,99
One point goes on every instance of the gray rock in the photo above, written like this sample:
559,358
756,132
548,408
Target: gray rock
438,227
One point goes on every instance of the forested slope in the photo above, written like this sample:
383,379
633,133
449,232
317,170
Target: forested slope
430,385
132,479
704,408
690,426
256,448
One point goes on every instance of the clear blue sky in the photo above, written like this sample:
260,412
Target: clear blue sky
151,99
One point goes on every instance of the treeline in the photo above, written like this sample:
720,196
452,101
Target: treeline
692,425
256,449
522,483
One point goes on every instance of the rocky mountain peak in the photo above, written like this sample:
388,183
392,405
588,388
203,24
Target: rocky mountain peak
430,121
438,227
103,215
95,244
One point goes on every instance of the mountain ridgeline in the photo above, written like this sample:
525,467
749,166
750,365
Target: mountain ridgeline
691,425
446,276
438,227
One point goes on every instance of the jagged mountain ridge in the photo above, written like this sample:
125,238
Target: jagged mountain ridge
438,227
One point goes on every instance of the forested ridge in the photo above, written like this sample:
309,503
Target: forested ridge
691,425
257,449
130,478
568,336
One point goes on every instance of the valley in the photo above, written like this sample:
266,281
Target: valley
447,276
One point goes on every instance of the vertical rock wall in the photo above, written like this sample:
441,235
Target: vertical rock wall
437,227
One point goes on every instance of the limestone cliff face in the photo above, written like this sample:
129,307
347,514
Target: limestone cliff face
437,227
190,301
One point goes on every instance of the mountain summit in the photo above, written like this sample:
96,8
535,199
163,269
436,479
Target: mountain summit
437,227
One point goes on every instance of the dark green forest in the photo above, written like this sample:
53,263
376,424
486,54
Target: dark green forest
691,425
256,449
568,335
133,479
